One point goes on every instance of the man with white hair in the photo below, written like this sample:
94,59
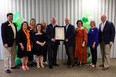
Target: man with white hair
69,42
52,43
106,39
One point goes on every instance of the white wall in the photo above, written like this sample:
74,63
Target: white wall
45,9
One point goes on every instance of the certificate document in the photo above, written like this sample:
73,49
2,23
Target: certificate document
60,33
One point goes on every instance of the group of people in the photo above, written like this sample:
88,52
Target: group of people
39,39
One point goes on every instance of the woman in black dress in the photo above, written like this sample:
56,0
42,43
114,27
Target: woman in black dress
39,45
24,44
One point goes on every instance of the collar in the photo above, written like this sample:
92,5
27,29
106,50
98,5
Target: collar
53,25
67,25
104,23
10,22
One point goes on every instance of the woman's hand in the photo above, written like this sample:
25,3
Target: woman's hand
83,44
93,46
43,44
22,47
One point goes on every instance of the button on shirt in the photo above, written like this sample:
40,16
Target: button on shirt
13,28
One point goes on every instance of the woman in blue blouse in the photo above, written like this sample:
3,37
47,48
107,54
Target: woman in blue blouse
93,42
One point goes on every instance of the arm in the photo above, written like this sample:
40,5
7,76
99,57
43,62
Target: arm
45,38
21,45
112,30
96,35
99,34
31,35
85,36
3,34
48,33
72,34
19,40
18,37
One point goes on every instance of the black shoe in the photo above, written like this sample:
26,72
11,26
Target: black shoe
101,65
70,66
8,71
15,67
31,65
56,64
50,67
104,68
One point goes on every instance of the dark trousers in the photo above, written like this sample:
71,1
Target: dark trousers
52,53
70,54
94,55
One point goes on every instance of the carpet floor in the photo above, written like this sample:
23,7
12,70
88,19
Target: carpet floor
62,71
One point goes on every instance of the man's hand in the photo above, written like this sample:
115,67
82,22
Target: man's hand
66,40
6,45
111,43
53,40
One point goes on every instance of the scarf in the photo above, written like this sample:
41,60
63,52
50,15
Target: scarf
28,40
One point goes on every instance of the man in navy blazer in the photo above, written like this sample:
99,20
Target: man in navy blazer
52,43
8,33
106,39
69,42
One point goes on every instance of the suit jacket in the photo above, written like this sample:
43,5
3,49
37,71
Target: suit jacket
7,33
70,35
108,33
50,33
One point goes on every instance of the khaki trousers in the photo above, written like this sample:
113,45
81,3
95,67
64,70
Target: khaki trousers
9,56
105,52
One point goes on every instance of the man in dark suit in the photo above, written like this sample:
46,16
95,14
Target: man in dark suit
106,39
69,42
52,43
8,34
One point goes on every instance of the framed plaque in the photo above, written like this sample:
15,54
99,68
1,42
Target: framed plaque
59,33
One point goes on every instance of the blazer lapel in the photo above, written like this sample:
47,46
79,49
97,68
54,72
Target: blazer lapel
68,28
105,25
100,26
65,29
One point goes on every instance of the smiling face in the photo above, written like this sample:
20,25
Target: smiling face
43,23
92,23
79,25
10,18
32,22
67,21
38,27
25,26
103,18
53,20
